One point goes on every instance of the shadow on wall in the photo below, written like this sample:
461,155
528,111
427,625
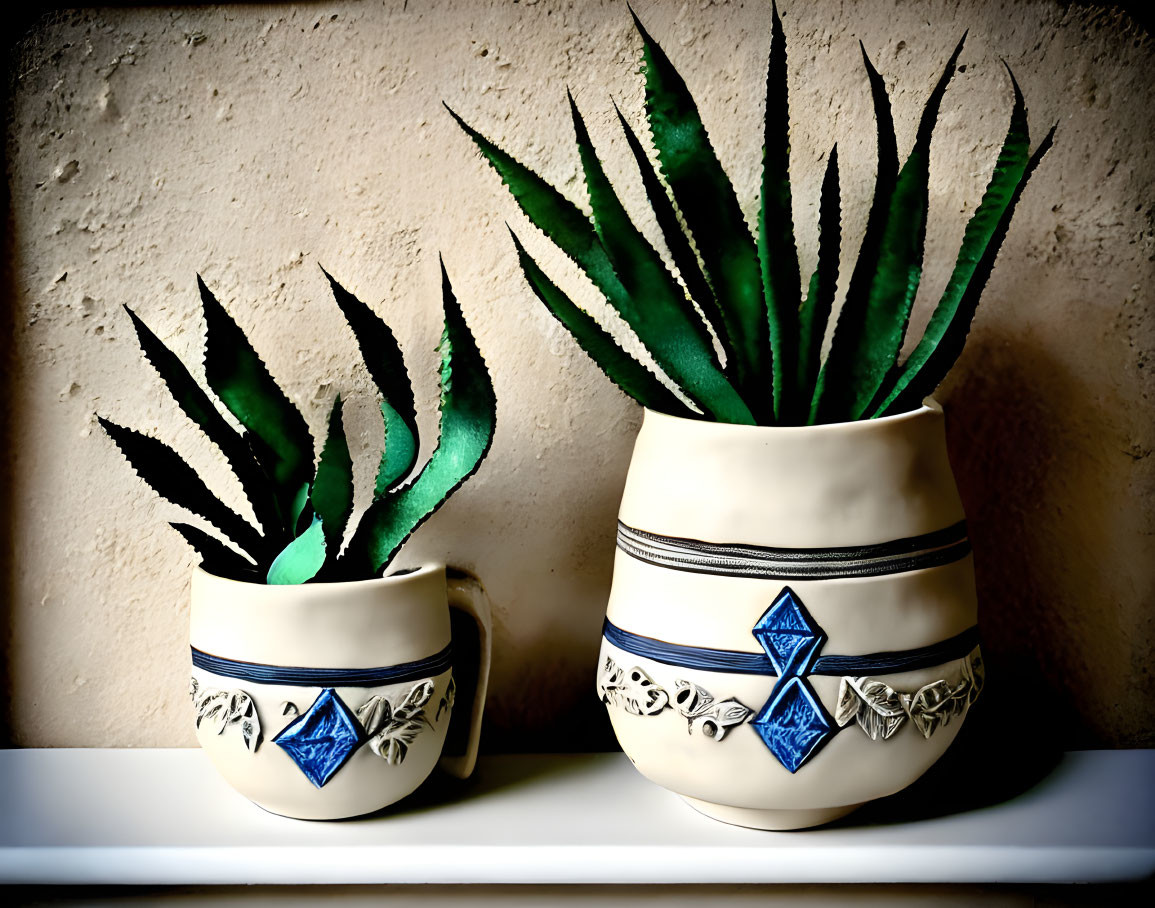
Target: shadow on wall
1021,439
562,715
7,527
551,705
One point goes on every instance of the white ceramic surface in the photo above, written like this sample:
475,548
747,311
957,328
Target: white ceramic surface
832,486
360,625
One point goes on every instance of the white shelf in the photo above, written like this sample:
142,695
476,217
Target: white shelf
163,817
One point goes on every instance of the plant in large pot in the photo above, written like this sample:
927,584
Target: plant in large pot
791,628
323,686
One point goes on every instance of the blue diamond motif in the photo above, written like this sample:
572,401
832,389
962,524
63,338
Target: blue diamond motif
789,635
323,738
793,724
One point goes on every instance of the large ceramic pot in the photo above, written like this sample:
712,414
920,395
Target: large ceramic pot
330,700
791,630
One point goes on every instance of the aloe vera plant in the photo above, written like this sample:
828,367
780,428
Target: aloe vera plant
304,511
727,321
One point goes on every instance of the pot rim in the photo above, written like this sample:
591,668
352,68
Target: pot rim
400,578
929,406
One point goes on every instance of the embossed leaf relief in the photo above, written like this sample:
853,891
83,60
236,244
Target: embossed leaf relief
881,711
976,673
392,729
636,693
446,704
224,708
702,714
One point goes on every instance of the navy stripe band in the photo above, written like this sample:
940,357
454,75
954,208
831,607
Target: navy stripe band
955,647
740,663
325,677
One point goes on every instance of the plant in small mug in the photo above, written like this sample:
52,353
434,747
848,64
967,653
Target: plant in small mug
728,324
303,511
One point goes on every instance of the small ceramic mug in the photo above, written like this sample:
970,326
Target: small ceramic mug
331,700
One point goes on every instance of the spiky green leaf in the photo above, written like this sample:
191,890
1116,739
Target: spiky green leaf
216,557
835,392
386,365
892,289
332,495
622,369
710,207
656,307
302,559
174,480
468,418
777,252
197,405
681,251
949,324
240,379
550,211
302,513
815,312
691,367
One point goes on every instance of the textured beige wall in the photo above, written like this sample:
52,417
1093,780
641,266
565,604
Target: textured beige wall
251,143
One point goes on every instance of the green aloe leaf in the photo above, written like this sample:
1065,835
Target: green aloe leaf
622,369
815,312
239,378
656,307
777,252
835,395
895,282
693,368
216,557
949,324
174,480
197,405
302,559
710,207
302,512
386,365
332,495
468,418
681,251
552,213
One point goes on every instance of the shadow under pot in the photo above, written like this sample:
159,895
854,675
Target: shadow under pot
329,700
792,626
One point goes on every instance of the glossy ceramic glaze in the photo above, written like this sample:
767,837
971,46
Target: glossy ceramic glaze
372,657
721,525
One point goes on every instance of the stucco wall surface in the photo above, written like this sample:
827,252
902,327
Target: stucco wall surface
251,143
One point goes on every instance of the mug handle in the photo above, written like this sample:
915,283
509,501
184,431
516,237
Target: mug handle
468,598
